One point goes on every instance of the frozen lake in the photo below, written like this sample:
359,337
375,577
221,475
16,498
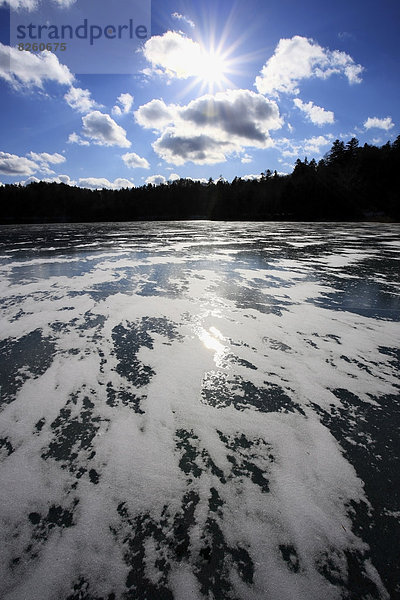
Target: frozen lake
200,410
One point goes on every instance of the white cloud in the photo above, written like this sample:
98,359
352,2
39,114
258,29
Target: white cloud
133,160
80,100
156,179
98,183
64,3
377,123
251,177
125,102
302,58
12,164
315,114
175,55
210,128
306,147
180,17
174,177
22,68
20,4
74,138
155,114
44,159
57,179
201,149
104,130
246,159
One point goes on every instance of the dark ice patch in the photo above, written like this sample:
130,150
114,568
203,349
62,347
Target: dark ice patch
6,447
246,456
369,435
212,564
216,560
125,397
41,526
219,389
73,435
361,295
195,461
183,522
128,341
135,532
290,556
81,591
28,356
347,570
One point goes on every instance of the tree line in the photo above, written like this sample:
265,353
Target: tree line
350,183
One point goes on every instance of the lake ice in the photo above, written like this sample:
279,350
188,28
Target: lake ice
195,410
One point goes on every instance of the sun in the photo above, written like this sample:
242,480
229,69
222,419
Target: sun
211,69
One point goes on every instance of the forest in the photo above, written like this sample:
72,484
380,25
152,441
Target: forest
351,183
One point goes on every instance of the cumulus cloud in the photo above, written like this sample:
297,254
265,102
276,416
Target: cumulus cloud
31,5
156,179
12,164
133,161
174,55
74,138
80,100
22,68
44,159
246,159
251,177
208,129
180,17
201,149
241,114
301,58
305,147
156,114
315,114
375,122
57,179
124,104
98,183
20,4
104,130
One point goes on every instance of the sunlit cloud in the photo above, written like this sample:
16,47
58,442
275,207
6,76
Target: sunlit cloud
156,179
98,183
212,127
25,69
302,58
74,138
375,122
315,114
124,105
134,161
103,130
12,164
177,56
44,159
80,100
20,4
306,147
184,19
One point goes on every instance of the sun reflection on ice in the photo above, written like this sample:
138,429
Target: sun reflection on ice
212,339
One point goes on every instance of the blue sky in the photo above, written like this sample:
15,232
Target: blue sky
219,88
